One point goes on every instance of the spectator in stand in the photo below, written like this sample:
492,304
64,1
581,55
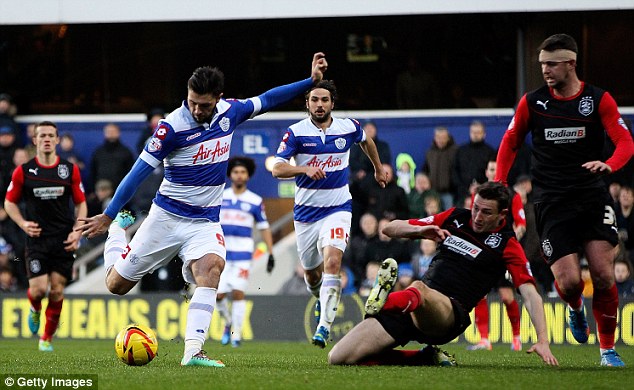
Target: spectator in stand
371,271
99,200
153,118
623,277
29,144
7,113
389,202
405,168
66,149
362,174
625,222
362,248
112,160
416,198
394,248
422,259
295,285
7,149
438,165
530,241
432,206
8,282
347,281
471,161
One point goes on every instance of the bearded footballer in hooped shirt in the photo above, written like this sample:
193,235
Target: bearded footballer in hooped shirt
194,143
321,145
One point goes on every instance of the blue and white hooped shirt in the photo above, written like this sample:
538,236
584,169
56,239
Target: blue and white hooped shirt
238,215
329,150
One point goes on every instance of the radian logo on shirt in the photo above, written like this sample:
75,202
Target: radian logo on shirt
330,162
461,246
48,192
564,135
203,154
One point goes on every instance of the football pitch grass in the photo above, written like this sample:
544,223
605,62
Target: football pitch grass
294,365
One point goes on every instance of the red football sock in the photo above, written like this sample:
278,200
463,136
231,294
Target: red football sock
52,318
394,357
405,301
573,299
481,314
605,304
513,312
36,304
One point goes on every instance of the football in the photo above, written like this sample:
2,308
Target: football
136,345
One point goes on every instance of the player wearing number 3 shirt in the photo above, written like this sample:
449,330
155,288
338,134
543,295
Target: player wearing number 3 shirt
321,145
568,120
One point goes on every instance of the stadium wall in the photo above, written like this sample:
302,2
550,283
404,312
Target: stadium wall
406,131
269,318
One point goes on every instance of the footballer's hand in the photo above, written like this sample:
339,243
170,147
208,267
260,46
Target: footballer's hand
381,177
543,350
315,173
597,167
94,226
32,229
433,232
72,241
270,264
318,67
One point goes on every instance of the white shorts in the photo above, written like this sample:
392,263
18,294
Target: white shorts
162,236
235,276
313,237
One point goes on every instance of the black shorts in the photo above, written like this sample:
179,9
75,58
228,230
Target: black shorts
564,227
401,326
46,255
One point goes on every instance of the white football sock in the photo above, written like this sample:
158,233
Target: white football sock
223,309
201,308
114,247
314,289
238,308
329,296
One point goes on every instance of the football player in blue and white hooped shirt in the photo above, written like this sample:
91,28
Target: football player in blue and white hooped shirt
241,210
321,145
194,143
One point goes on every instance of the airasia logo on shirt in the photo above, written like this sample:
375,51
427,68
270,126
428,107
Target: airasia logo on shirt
330,162
214,153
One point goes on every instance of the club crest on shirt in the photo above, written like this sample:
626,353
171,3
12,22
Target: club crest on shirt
547,248
340,143
154,145
493,240
62,171
225,124
586,105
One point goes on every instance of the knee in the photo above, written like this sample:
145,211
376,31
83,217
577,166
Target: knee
37,293
56,293
116,285
335,358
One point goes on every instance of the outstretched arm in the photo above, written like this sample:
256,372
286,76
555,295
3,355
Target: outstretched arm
403,229
285,93
535,307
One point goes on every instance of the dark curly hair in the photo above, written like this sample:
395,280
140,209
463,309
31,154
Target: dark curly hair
241,161
207,80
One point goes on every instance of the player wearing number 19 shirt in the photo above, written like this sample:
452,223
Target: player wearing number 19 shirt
194,143
568,120
323,204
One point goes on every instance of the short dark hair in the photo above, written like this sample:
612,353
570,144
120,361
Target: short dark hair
559,41
492,190
47,123
328,85
207,80
241,161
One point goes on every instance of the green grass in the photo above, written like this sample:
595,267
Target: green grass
276,365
